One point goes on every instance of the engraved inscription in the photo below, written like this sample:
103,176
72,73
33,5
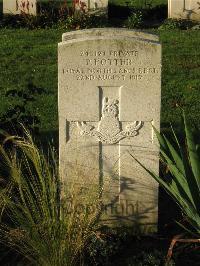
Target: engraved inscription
109,62
117,65
110,73
109,129
115,53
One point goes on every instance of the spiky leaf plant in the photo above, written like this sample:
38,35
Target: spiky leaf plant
38,218
183,162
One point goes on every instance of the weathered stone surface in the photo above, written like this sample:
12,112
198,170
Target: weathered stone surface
17,7
109,97
184,9
108,32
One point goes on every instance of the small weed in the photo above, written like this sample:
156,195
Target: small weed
135,20
84,21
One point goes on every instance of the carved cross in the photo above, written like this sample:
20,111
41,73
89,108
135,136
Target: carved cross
109,131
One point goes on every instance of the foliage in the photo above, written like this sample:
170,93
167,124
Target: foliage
183,163
39,219
66,20
135,20
106,244
153,258
151,14
83,21
119,246
19,111
182,24
45,19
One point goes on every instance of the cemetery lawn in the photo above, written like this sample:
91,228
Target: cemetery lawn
139,3
32,56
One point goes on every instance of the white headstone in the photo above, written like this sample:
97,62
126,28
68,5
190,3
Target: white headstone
184,9
17,7
109,97
91,5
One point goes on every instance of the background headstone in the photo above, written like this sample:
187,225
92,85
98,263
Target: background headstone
109,98
96,6
184,9
17,7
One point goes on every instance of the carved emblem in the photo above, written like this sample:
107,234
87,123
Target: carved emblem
109,128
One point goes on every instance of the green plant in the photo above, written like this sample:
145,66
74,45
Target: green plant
39,219
172,24
135,20
182,160
106,244
150,258
83,21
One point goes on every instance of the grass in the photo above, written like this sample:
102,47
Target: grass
32,55
139,3
180,75
37,219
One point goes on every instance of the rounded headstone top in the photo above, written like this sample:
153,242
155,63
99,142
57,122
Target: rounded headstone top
108,32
